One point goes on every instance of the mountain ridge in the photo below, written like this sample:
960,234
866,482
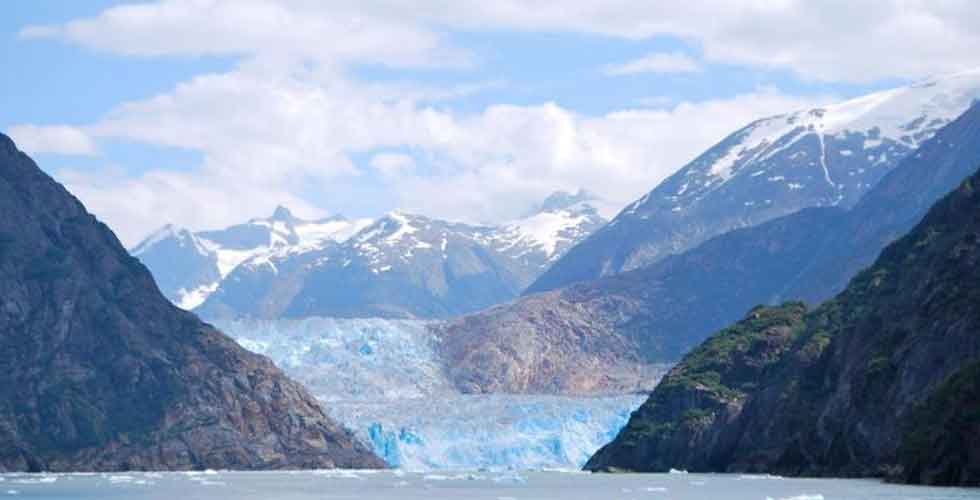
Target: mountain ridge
827,156
657,313
286,266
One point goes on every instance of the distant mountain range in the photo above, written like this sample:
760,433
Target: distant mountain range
99,372
399,266
619,324
882,380
822,157
188,266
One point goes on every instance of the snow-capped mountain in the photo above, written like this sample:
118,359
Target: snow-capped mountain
539,239
188,266
400,265
828,156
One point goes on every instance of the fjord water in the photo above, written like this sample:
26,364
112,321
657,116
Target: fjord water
372,485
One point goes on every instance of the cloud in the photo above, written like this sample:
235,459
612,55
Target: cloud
286,124
507,158
135,205
59,139
663,62
280,31
393,166
275,139
836,40
656,101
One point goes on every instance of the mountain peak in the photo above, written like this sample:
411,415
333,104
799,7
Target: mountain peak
560,200
7,144
166,231
282,213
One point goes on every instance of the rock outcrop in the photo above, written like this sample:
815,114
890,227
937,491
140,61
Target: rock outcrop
98,371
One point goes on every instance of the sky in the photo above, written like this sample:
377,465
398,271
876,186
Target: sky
204,113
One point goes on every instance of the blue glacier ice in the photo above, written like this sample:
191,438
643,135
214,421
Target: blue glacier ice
488,431
384,380
349,359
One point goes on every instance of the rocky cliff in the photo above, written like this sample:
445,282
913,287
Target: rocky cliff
879,381
98,371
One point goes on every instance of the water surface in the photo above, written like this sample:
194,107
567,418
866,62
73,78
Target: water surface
368,485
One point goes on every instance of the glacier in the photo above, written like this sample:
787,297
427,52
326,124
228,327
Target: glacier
348,359
488,432
383,379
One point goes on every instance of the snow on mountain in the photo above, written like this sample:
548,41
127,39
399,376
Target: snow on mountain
403,265
827,156
312,234
542,237
385,380
398,238
899,119
190,266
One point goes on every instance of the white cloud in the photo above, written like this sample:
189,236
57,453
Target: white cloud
832,40
136,205
836,40
280,31
270,139
656,101
283,125
393,166
508,158
662,62
60,139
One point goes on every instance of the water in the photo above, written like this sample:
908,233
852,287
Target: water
366,485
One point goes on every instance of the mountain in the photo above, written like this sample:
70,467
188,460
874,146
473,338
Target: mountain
657,313
542,237
822,157
879,381
406,266
98,371
400,266
188,266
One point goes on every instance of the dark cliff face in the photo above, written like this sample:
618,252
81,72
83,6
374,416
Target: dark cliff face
98,371
666,309
879,381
